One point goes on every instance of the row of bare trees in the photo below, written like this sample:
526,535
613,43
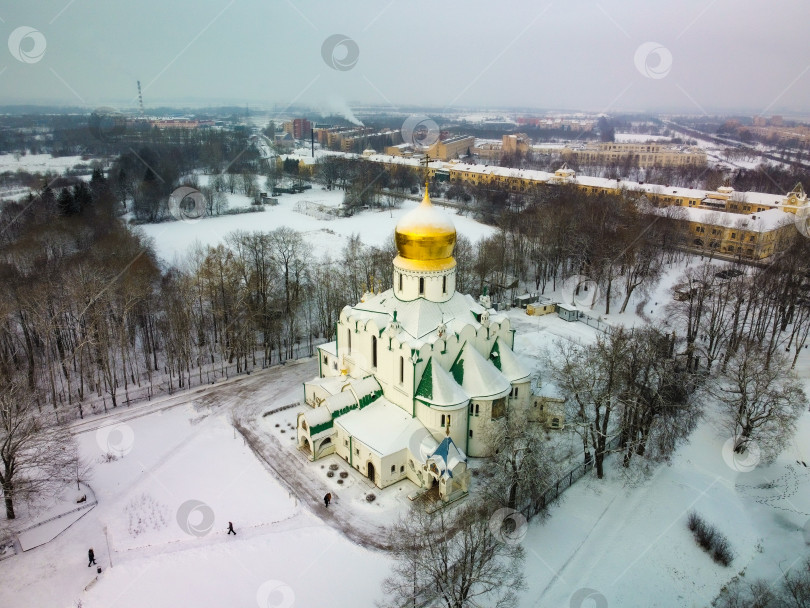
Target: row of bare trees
733,336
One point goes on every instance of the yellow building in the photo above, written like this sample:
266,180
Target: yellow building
516,143
644,154
451,148
751,225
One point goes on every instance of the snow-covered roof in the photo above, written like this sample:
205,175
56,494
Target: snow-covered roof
505,359
753,198
335,384
382,426
412,161
437,387
531,174
319,421
420,319
478,377
421,445
329,348
761,221
447,457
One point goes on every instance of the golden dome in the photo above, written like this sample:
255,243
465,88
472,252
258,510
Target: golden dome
426,235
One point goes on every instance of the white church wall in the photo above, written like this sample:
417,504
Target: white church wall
323,447
523,395
482,425
399,376
393,467
358,455
435,420
341,443
436,286
480,419
415,472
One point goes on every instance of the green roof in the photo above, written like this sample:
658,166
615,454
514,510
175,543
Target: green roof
425,388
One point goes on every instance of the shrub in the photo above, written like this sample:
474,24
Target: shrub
721,552
710,539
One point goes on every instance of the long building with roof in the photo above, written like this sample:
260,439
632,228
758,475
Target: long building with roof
419,375
747,225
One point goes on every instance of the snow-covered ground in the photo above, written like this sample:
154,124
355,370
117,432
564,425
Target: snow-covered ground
39,163
174,239
159,531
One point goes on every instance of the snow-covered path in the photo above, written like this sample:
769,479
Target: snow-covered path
180,449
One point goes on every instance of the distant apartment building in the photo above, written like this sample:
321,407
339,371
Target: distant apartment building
488,150
575,125
356,139
299,128
302,128
178,123
460,145
516,143
648,154
510,144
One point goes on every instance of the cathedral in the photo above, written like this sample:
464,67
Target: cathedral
418,374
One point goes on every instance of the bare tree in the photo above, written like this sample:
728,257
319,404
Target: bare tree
521,468
590,378
761,402
452,559
656,411
35,453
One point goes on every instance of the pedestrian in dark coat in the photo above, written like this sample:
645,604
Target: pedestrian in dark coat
92,557
230,528
327,499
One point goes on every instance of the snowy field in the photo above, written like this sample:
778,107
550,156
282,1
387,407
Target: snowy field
174,239
39,163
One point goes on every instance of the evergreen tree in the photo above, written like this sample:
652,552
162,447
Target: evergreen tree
65,202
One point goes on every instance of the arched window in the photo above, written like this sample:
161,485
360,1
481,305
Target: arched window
444,284
373,351
401,370
421,286
349,339
400,281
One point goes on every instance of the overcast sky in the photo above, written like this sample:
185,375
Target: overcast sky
693,56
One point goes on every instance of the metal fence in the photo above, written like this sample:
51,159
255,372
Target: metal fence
565,481
597,324
162,386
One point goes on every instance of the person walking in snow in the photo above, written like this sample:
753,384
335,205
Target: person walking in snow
327,499
92,557
230,528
